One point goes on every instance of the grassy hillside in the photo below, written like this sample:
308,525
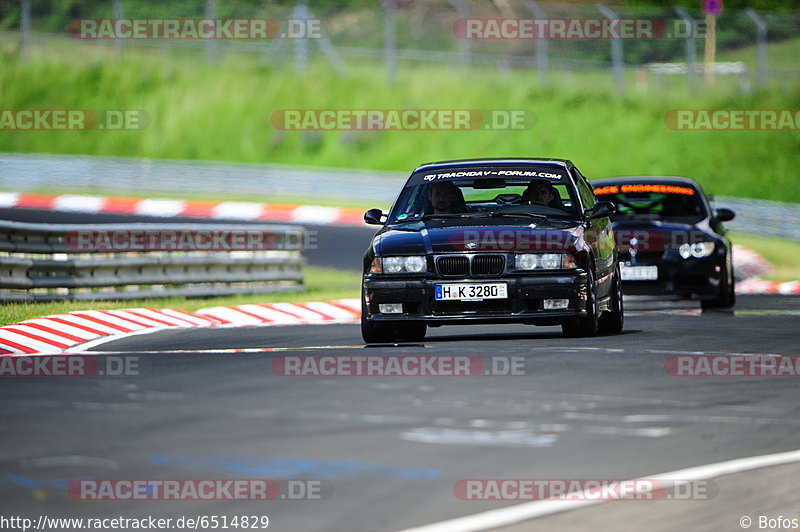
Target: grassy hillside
223,113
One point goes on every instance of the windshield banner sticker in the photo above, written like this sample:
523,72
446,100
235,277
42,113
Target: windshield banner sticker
486,173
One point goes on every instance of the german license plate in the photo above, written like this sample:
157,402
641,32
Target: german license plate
638,273
471,291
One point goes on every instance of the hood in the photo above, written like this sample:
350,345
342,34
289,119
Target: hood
657,235
541,235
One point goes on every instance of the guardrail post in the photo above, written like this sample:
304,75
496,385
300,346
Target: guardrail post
542,45
616,51
762,44
691,47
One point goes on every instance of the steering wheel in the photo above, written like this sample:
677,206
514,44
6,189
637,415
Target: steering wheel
508,199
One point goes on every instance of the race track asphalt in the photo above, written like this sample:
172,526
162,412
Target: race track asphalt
389,450
393,447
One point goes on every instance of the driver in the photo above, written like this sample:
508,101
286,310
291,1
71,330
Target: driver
444,197
540,192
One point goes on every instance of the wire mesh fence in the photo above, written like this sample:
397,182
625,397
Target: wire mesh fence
550,39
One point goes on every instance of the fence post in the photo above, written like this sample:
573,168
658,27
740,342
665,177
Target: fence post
118,14
463,44
762,44
691,46
25,29
301,44
542,45
211,44
390,39
616,50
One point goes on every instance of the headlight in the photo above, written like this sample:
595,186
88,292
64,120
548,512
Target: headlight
527,261
544,261
550,261
400,265
697,250
416,264
393,264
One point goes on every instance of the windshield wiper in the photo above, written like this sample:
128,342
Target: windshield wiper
478,215
436,217
517,215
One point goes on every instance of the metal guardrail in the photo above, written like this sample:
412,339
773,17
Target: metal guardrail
763,218
49,262
27,171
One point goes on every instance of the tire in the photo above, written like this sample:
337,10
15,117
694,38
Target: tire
587,326
411,332
612,322
382,333
727,293
375,333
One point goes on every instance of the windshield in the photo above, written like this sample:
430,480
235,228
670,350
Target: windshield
489,194
653,201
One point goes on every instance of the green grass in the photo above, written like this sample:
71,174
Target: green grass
223,113
322,284
781,253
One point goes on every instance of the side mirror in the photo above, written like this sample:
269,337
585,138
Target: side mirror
601,209
725,215
373,217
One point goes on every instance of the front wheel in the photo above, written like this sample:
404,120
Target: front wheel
384,333
375,333
588,325
613,321
411,332
727,294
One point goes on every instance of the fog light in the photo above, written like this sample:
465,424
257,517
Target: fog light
556,304
390,308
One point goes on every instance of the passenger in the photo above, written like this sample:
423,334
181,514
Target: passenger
543,193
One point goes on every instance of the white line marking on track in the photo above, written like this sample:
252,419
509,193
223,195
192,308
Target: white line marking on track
533,510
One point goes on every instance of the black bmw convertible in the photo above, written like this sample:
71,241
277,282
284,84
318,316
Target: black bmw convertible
492,241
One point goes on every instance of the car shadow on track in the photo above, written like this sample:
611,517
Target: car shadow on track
494,337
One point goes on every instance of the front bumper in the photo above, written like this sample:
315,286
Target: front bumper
524,304
681,277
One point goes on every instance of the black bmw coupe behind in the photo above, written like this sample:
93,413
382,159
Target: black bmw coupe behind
671,238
